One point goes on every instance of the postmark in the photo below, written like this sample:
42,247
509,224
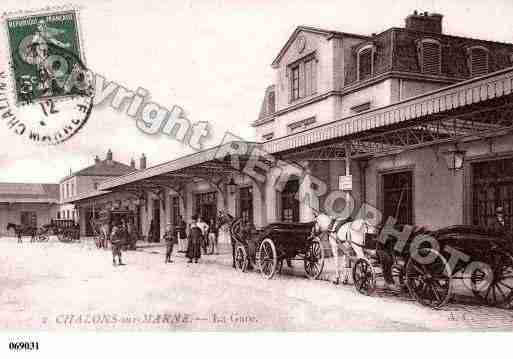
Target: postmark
49,96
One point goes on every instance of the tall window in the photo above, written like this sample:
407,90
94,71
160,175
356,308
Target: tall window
478,61
492,187
289,202
303,78
430,56
271,102
398,196
175,210
365,62
246,204
295,82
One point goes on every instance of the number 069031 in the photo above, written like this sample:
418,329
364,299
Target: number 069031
18,346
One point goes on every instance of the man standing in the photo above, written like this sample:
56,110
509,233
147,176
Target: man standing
116,241
204,232
170,239
181,235
499,222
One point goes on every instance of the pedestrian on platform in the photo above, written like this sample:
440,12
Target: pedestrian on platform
181,235
203,226
170,239
194,241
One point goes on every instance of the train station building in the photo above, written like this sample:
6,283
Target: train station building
412,121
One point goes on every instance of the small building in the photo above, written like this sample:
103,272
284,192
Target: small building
28,204
81,199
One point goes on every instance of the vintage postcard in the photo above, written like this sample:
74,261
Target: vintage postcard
227,166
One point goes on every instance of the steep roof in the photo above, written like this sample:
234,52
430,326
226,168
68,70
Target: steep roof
107,168
29,192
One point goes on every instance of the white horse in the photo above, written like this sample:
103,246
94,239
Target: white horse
349,235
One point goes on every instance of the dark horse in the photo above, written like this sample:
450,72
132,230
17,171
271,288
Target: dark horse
225,218
20,230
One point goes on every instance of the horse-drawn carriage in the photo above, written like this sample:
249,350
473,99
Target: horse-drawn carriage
482,260
36,234
266,249
66,230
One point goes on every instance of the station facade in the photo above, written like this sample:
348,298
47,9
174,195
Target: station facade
411,121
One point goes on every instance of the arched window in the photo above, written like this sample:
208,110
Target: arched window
430,56
478,61
365,63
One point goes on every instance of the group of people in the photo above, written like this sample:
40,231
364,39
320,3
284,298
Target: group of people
201,237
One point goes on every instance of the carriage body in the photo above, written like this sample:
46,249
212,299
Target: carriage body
66,230
483,261
269,247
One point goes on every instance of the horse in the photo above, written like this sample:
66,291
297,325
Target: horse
19,230
102,230
348,234
226,219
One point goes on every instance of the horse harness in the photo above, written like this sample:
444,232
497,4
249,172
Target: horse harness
334,227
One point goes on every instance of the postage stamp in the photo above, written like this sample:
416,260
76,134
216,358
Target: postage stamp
45,54
49,83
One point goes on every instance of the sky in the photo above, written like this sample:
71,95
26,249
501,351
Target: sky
211,58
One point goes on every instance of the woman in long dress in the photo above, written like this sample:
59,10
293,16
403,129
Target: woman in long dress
194,243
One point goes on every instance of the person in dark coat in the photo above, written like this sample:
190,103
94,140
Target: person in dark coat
194,242
116,242
151,232
170,239
499,223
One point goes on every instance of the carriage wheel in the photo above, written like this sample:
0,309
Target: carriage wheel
429,284
268,258
314,259
241,258
495,287
364,277
42,238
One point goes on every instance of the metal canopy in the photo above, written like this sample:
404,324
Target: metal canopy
485,120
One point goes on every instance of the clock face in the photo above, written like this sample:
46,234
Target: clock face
300,44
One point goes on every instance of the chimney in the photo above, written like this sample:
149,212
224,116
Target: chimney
108,158
425,22
142,162
96,160
132,163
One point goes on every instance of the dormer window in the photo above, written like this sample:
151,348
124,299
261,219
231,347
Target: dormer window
430,56
365,62
303,78
478,61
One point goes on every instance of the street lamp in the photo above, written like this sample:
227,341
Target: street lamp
454,159
232,186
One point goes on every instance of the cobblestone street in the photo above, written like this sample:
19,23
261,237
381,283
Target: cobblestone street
62,286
